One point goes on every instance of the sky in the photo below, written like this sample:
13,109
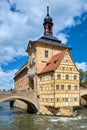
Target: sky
22,20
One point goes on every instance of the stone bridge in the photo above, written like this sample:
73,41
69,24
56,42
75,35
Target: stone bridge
28,97
83,94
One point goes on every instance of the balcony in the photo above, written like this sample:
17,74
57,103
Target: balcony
31,72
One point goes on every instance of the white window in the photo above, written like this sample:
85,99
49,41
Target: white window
62,87
52,88
51,100
46,53
58,76
75,99
75,77
63,68
67,77
51,77
66,99
57,99
70,69
40,79
69,87
57,87
41,88
66,61
76,87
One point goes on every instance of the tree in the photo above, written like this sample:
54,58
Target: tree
83,78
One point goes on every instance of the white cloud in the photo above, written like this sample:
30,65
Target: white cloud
62,37
6,79
16,28
82,65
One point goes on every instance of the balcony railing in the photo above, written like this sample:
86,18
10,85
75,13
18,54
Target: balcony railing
31,72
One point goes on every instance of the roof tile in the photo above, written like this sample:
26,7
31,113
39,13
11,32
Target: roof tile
53,62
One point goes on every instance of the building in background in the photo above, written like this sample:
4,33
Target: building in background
50,71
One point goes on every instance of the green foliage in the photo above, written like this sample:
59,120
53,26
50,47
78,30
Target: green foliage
83,78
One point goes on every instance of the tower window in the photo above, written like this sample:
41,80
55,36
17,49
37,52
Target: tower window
46,53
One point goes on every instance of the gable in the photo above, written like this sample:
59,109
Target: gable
67,64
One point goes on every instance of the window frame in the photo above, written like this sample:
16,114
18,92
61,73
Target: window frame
57,87
58,76
67,77
46,54
76,87
75,77
69,87
40,78
51,76
75,99
62,87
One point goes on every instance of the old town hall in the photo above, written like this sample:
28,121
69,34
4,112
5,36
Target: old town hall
50,71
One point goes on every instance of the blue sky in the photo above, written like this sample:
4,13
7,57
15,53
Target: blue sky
21,21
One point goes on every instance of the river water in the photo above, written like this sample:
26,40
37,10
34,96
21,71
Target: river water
17,119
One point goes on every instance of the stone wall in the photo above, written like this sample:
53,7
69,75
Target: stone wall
21,81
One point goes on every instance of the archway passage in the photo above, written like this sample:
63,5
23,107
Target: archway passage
30,107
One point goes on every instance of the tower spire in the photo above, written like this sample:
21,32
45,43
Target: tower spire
47,10
48,24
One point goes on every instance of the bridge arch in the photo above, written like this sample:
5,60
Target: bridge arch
31,106
84,96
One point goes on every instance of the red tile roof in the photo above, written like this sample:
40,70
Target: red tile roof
53,62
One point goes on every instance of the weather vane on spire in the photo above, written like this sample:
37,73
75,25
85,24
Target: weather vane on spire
47,10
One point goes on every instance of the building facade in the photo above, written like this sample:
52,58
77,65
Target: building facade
50,71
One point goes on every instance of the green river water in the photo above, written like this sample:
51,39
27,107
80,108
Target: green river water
17,119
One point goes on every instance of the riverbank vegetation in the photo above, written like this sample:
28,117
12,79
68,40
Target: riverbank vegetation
83,78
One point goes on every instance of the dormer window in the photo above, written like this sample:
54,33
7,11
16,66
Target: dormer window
47,64
55,61
46,53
